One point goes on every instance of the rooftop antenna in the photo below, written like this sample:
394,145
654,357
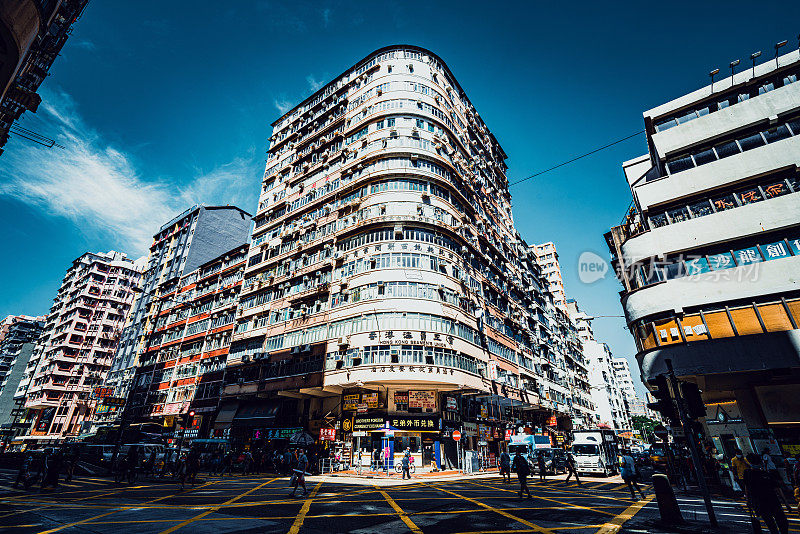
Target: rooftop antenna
712,74
753,57
777,47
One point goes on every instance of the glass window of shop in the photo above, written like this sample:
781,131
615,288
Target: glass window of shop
411,442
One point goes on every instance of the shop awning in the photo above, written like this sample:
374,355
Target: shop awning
255,413
226,413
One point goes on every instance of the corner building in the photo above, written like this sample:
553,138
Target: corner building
386,286
709,255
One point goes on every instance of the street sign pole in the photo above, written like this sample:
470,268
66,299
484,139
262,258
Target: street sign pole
698,469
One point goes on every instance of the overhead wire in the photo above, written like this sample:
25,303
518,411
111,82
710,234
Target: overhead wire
576,158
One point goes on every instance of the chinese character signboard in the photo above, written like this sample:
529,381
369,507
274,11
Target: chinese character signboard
370,399
350,402
450,404
422,399
412,423
327,434
400,398
103,392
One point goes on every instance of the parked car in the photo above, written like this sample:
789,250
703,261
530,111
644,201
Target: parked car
658,457
555,460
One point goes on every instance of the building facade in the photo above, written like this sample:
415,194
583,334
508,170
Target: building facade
18,337
547,256
608,399
77,345
32,33
183,361
634,404
709,254
386,285
197,236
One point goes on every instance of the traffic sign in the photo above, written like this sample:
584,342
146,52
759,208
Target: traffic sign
661,432
456,435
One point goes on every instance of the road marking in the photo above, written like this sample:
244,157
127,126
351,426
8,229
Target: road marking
400,512
216,507
536,528
301,516
122,509
615,524
571,505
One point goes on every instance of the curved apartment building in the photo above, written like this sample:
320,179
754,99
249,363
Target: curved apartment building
386,286
710,256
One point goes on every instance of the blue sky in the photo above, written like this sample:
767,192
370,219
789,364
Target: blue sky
163,104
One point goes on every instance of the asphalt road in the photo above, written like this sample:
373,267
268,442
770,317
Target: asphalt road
261,504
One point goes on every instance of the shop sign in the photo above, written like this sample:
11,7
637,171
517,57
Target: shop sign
412,423
359,434
450,404
484,412
114,401
400,398
424,339
552,421
278,433
169,421
102,409
362,408
422,399
509,433
103,392
350,402
560,438
370,400
368,423
470,429
327,434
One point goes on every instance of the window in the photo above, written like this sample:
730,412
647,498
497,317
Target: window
774,317
701,208
678,214
776,134
751,141
746,321
727,149
705,156
680,164
718,324
724,202
748,196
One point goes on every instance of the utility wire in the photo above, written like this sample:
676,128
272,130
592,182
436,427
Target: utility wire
618,141
16,129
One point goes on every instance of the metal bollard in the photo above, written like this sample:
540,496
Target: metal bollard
667,504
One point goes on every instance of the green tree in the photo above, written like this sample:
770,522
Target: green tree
645,426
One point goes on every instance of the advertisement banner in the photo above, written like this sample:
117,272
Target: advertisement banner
414,423
368,423
370,399
451,404
327,434
422,399
350,402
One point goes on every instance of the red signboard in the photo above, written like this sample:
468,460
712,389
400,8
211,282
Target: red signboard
327,434
552,421
103,392
456,435
509,433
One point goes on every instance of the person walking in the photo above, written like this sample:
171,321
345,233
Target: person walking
24,474
772,470
70,459
227,464
181,470
287,462
376,459
520,464
299,477
192,465
739,465
796,480
571,470
628,472
132,462
52,469
247,462
406,464
762,496
542,467
505,467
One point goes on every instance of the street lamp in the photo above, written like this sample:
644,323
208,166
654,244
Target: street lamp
753,57
733,69
777,47
712,74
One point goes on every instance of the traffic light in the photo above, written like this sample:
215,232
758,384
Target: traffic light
187,422
663,403
695,406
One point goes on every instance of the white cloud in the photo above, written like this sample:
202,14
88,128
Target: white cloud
85,44
314,84
99,187
326,16
282,105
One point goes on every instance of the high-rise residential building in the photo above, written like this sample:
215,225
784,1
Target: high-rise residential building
18,337
633,403
195,237
607,394
77,345
710,252
184,356
386,283
547,256
32,33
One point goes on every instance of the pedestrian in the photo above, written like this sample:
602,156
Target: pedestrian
628,472
132,462
151,463
520,464
299,476
505,467
53,465
181,470
376,459
24,471
287,462
739,464
762,496
247,462
796,480
227,464
406,463
571,470
772,470
70,459
192,465
542,467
